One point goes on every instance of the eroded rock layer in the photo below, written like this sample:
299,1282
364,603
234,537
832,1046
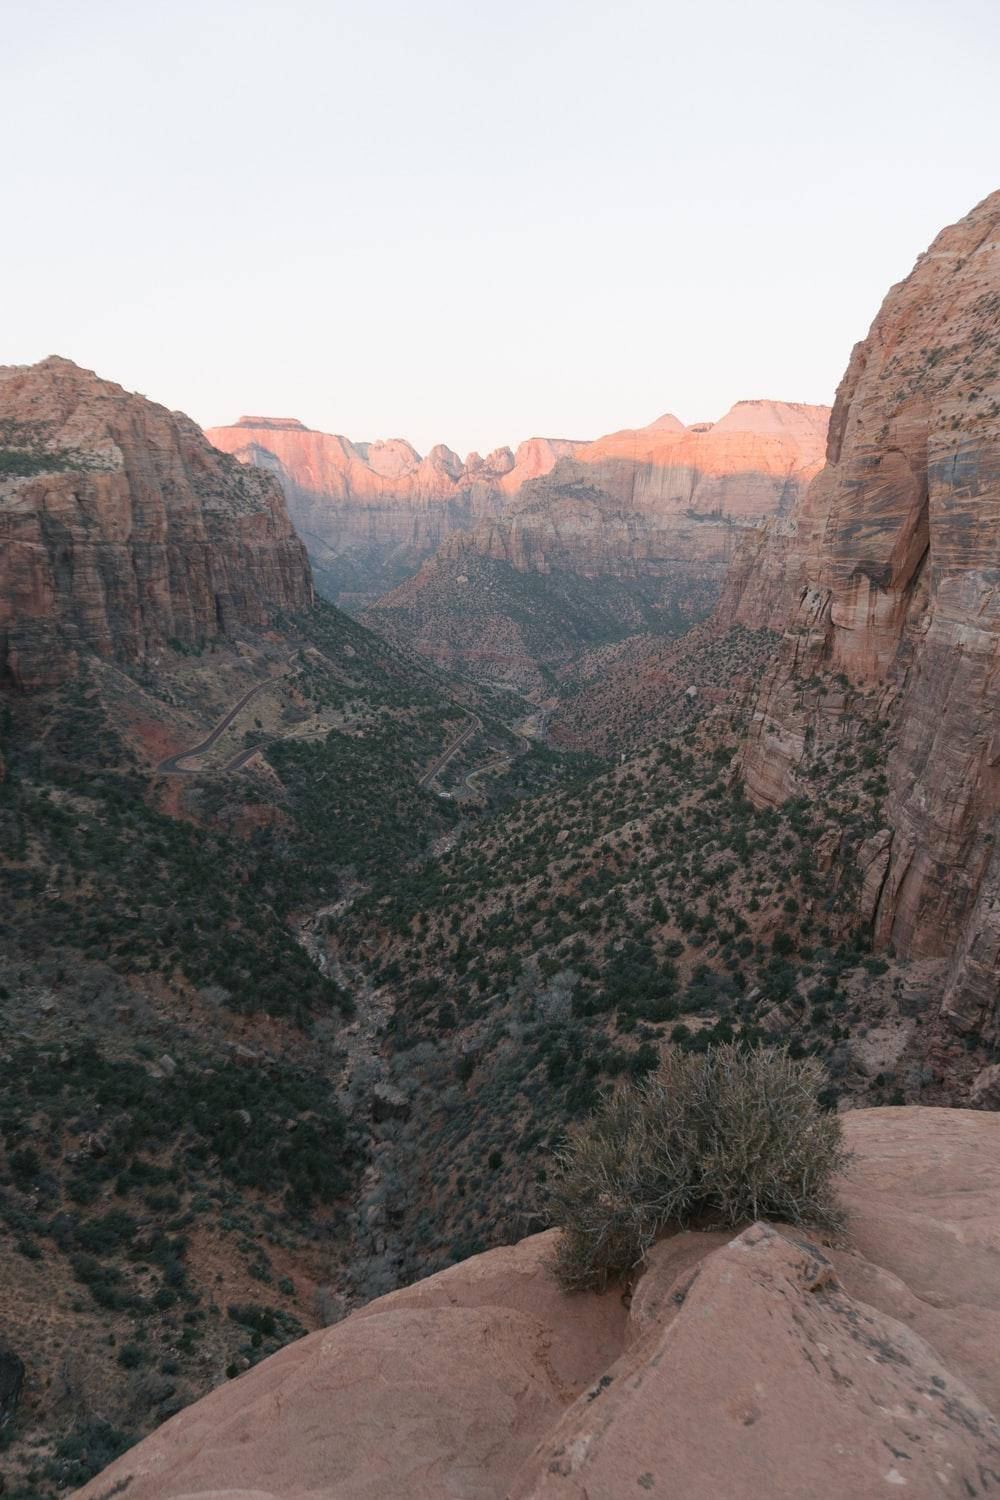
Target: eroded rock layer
757,1364
121,528
634,532
370,513
896,567
637,500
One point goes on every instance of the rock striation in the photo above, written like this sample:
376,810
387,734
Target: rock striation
635,531
743,1366
121,528
893,565
753,462
370,513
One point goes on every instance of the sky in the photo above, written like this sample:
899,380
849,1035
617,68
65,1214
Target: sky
470,223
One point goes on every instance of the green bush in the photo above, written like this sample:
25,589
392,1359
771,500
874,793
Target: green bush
718,1138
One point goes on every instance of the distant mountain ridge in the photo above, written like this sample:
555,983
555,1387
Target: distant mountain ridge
633,532
371,512
639,525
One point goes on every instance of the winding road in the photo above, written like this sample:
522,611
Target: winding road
171,764
446,755
174,765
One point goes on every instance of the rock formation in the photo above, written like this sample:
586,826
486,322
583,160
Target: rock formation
894,561
753,462
370,513
634,532
760,1364
122,528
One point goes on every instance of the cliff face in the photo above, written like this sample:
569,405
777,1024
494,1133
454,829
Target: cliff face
895,564
634,532
121,527
753,462
370,513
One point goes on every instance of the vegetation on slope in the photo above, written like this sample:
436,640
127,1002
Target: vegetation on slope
720,1139
178,1145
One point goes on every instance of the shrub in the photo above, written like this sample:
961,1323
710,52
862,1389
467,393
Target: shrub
719,1138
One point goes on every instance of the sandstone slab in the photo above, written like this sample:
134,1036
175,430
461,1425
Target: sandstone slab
748,1365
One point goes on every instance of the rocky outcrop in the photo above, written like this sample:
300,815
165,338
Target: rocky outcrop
122,528
370,513
897,578
753,462
760,1364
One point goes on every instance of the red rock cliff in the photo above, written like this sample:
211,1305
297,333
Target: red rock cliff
899,591
634,531
372,512
121,527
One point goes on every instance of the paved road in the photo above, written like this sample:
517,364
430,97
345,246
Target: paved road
438,766
171,764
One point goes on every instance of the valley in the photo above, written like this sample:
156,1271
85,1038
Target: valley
508,569
321,928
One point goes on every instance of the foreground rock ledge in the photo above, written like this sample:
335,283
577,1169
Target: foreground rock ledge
760,1365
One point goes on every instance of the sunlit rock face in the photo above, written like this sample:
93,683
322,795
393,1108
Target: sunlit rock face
633,532
752,463
371,513
121,528
896,574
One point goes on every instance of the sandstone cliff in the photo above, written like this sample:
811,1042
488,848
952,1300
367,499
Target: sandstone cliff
895,566
634,532
370,513
121,528
753,462
741,1367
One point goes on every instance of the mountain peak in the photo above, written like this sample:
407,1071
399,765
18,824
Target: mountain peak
667,423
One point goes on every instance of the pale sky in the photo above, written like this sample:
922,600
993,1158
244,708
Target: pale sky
465,222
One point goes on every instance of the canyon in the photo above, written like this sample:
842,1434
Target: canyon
635,532
318,932
546,550
893,565
370,513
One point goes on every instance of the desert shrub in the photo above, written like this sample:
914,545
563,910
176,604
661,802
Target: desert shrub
718,1138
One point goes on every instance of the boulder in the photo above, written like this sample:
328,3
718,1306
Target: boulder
769,1380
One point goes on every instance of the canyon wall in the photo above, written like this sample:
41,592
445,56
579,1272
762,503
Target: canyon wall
634,532
122,528
753,462
894,561
370,513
